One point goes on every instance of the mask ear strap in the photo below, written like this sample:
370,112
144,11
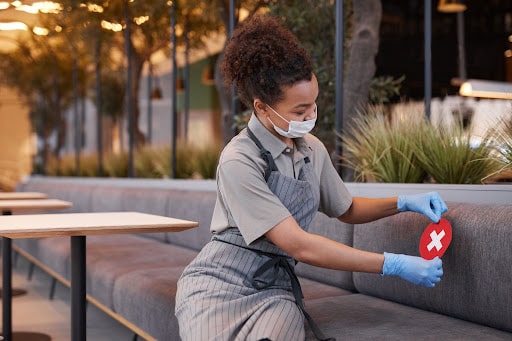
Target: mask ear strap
278,114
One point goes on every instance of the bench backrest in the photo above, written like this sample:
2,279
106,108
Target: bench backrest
477,280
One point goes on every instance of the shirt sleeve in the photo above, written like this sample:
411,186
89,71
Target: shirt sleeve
248,200
335,199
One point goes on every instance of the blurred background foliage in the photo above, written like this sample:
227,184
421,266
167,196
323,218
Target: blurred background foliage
149,162
79,61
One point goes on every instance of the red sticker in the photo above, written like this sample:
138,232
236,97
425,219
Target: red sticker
435,239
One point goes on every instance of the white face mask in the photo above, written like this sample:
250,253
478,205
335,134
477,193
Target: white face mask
295,128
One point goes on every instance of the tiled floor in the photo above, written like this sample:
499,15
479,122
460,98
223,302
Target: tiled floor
34,312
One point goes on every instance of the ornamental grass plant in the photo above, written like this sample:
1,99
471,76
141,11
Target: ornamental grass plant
503,143
451,155
404,147
380,147
504,140
115,165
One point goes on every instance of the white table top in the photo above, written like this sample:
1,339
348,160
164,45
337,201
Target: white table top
33,204
22,195
83,224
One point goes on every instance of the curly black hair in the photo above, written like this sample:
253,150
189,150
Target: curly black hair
261,58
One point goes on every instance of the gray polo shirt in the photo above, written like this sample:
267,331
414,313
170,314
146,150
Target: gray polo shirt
243,197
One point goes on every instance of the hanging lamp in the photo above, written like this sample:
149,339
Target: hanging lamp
451,6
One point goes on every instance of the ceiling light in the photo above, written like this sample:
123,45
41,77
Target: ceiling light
486,89
12,26
111,26
94,8
451,6
40,31
27,9
47,7
141,20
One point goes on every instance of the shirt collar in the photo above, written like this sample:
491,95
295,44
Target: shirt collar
273,144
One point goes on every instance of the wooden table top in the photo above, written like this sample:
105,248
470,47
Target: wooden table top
33,204
84,224
22,195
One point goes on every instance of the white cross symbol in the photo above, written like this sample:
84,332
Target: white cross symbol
436,240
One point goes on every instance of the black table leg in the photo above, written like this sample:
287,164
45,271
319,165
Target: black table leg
14,291
78,301
6,290
6,286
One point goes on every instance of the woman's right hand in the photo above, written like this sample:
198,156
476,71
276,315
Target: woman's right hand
413,269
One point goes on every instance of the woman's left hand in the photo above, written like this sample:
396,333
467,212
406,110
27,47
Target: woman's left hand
430,204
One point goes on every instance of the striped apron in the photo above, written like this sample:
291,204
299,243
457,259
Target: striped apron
235,291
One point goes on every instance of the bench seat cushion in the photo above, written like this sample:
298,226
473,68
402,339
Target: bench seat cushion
28,244
312,289
146,297
55,252
108,256
362,317
115,256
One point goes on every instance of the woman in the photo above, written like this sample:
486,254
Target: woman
271,180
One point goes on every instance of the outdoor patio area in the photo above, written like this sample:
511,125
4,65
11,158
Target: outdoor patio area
256,170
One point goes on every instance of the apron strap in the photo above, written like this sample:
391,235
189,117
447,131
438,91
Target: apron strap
265,154
275,262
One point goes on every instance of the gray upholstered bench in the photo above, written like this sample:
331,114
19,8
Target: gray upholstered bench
133,277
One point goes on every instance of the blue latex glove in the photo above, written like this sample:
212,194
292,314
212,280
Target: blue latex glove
413,269
430,204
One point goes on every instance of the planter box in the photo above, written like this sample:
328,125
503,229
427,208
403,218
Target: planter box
484,194
477,194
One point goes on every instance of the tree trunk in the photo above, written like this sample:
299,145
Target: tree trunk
225,95
137,63
360,65
362,49
225,104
